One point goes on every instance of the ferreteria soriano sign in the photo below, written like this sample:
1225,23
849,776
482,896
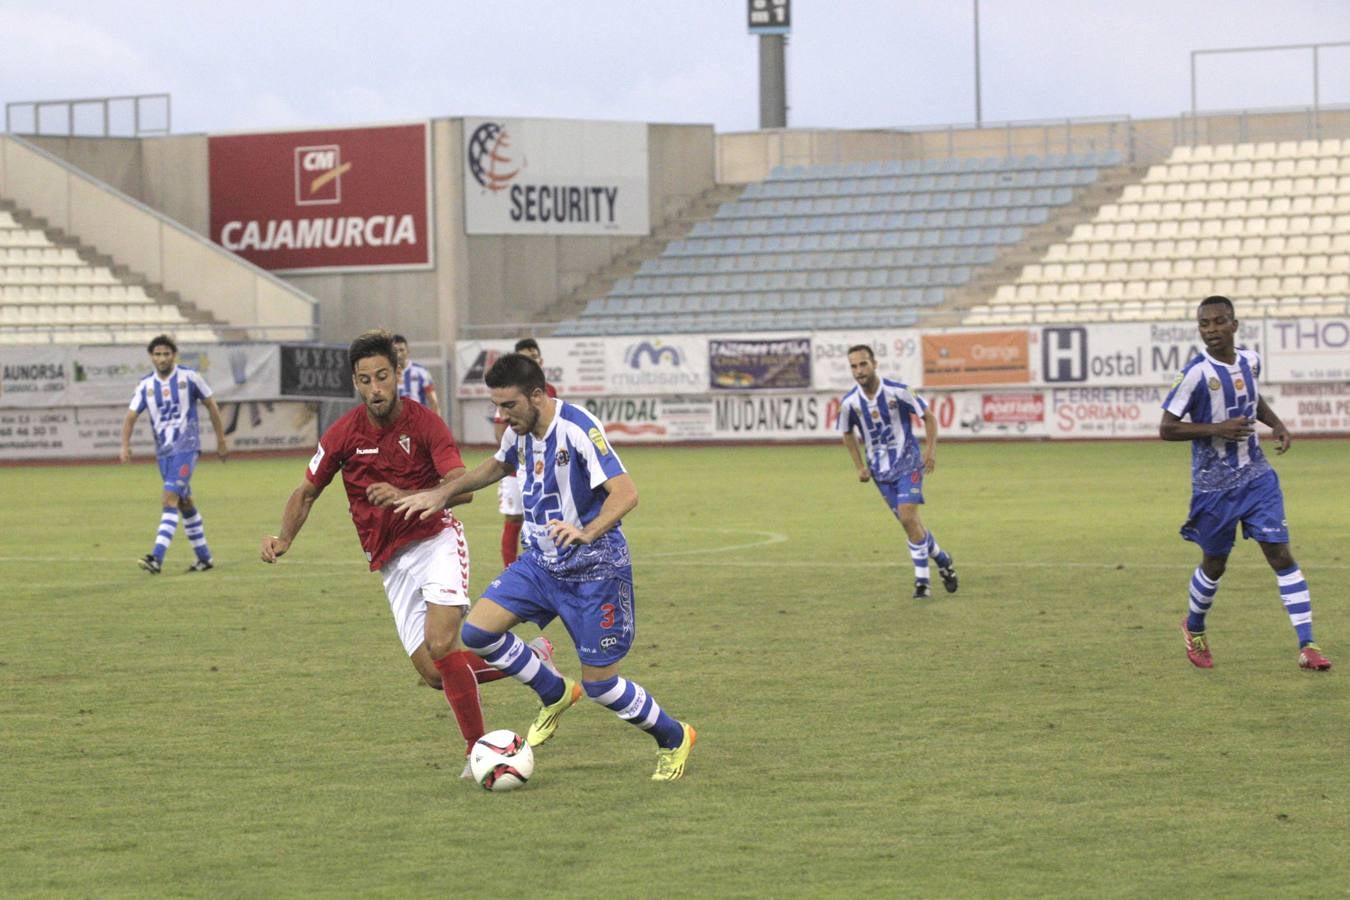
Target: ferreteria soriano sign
554,176
338,199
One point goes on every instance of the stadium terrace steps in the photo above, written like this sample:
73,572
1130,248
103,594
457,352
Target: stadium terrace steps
632,258
54,288
822,245
1268,224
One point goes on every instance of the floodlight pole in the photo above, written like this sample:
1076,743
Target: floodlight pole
772,81
978,117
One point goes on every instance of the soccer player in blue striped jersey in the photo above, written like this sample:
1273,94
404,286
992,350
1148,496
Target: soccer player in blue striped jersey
576,564
882,412
1231,479
170,395
415,382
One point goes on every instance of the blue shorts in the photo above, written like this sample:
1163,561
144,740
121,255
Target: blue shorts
598,614
908,488
1258,505
177,472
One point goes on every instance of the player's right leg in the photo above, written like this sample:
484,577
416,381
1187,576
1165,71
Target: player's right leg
917,542
514,597
153,561
1213,525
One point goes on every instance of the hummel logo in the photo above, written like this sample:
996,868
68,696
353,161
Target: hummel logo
366,451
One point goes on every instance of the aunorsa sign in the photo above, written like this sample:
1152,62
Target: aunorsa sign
334,199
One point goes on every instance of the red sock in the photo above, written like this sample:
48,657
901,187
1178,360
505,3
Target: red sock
510,540
484,671
461,689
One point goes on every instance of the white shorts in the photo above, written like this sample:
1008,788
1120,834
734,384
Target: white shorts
509,500
435,570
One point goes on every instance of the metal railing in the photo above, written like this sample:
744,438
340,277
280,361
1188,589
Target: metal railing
110,111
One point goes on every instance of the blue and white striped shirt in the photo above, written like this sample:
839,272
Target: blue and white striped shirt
1209,391
885,423
172,404
415,383
561,477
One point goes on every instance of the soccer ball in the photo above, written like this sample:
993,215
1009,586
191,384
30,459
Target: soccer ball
501,761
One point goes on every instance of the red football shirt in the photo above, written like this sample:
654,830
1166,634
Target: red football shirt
413,453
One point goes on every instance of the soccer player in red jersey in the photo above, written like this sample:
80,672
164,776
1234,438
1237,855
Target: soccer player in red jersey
387,448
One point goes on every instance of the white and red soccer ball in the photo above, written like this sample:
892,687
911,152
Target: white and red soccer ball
501,761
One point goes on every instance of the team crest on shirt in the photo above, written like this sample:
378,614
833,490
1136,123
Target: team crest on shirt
876,414
1239,384
1213,384
598,440
538,467
405,442
563,457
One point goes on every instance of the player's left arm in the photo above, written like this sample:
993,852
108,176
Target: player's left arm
930,439
212,410
385,494
621,500
433,402
1266,416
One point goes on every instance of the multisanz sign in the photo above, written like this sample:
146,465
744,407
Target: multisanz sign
334,200
770,16
312,370
553,176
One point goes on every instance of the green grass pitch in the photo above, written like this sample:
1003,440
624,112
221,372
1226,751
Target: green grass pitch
257,731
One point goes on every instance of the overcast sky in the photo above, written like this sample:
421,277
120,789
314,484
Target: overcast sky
233,66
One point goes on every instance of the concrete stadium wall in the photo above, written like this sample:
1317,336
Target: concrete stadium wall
146,241
746,157
476,280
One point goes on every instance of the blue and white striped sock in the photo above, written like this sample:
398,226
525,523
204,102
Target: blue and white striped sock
1203,589
919,553
935,552
168,524
509,654
631,702
1297,602
196,535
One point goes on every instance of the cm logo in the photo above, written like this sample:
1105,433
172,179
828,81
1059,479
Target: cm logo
318,174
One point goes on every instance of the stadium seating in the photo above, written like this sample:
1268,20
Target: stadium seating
49,293
841,246
1267,224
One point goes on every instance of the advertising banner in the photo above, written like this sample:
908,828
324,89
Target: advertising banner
555,176
36,376
963,358
95,432
1133,353
657,365
574,366
775,417
330,200
1310,408
1105,412
897,352
308,370
988,413
71,375
759,364
1307,350
652,420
